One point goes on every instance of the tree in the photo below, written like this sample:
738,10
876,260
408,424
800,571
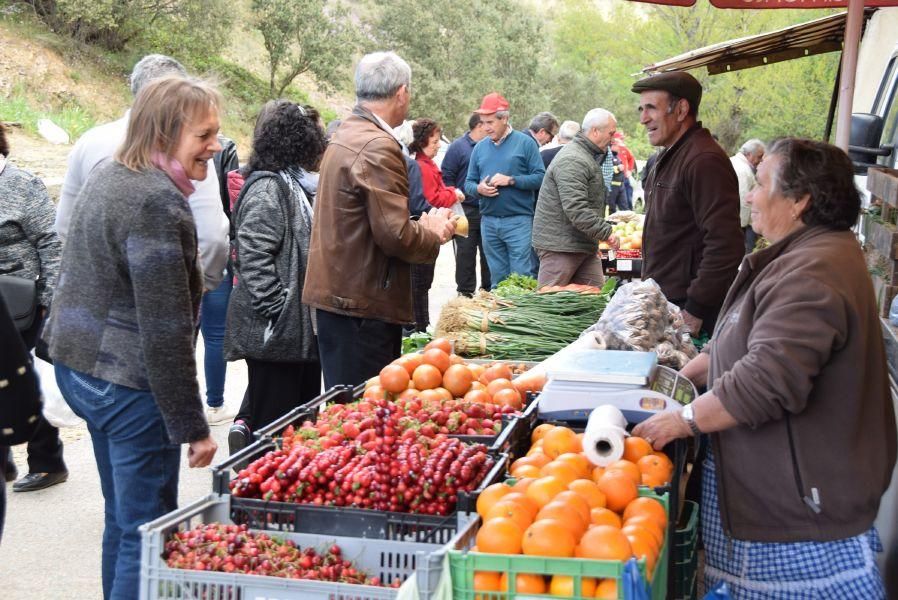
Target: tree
302,36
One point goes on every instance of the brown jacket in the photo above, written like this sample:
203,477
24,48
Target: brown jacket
362,237
692,242
798,359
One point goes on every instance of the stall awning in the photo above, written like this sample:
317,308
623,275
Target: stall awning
806,39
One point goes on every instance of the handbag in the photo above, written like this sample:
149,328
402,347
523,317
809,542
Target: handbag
20,295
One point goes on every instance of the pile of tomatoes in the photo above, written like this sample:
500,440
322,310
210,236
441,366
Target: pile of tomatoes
235,549
381,467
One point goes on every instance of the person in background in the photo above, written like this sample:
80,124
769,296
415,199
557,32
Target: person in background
566,134
570,215
360,287
101,143
20,395
745,162
505,172
29,248
543,128
455,170
628,163
214,306
267,323
121,331
332,128
798,407
692,242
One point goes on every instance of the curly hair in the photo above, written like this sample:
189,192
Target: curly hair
4,144
422,130
822,172
286,135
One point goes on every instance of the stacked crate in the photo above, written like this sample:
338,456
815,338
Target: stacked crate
881,236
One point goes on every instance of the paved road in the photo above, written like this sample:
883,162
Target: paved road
51,544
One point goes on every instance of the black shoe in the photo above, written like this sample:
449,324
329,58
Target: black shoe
239,437
11,473
38,481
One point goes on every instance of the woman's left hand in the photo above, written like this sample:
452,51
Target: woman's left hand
660,429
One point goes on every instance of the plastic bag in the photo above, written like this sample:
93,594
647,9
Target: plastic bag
635,587
720,592
56,409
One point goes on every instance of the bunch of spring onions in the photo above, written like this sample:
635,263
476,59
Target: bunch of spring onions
525,326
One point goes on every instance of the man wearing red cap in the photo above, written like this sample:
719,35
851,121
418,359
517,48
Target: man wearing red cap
505,172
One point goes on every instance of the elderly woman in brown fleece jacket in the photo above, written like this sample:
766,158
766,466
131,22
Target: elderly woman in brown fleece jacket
798,407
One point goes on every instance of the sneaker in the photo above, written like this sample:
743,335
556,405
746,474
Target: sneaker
217,415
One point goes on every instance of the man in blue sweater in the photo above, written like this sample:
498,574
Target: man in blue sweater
505,171
455,170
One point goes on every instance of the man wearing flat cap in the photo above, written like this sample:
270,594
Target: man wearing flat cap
692,242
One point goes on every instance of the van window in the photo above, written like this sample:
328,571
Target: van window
887,106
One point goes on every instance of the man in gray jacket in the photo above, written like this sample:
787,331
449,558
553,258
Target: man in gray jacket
570,214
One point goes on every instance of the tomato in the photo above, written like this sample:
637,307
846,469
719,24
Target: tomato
394,378
457,379
427,377
441,343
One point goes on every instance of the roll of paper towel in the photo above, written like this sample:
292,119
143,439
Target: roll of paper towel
603,439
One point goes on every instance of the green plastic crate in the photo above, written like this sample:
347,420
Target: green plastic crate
463,564
685,554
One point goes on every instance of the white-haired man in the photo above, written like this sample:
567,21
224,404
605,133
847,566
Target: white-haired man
570,215
566,134
363,239
745,163
101,142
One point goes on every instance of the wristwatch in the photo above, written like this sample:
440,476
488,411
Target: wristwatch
688,415
511,181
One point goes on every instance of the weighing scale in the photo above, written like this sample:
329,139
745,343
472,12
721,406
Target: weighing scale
581,379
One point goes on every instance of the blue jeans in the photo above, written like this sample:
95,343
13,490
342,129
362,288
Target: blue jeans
138,467
506,243
213,312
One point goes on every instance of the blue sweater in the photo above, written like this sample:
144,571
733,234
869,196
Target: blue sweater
518,157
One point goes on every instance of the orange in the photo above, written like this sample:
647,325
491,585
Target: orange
548,538
589,491
562,470
537,459
544,489
635,448
657,466
604,542
524,583
523,500
560,440
638,532
649,507
619,490
603,516
563,585
500,536
510,510
642,548
649,524
562,513
575,502
579,462
526,471
625,466
437,358
540,431
597,472
522,484
606,589
652,481
490,496
486,581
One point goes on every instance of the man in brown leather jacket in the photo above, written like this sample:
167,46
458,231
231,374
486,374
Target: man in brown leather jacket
362,237
692,242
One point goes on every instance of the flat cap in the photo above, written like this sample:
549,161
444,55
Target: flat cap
678,83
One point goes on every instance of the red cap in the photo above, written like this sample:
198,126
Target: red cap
492,103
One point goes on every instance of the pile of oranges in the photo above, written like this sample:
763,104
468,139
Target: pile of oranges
560,505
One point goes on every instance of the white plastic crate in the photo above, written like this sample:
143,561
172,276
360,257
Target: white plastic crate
388,560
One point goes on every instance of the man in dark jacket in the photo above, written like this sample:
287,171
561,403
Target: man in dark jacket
692,241
455,169
570,214
362,238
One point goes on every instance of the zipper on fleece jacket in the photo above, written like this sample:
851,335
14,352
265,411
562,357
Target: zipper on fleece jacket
813,503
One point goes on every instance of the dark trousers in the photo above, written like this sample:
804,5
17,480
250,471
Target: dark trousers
422,279
44,447
466,258
353,349
276,388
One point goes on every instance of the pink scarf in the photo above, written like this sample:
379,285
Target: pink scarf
175,171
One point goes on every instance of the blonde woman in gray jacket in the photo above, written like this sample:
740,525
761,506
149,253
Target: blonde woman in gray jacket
267,324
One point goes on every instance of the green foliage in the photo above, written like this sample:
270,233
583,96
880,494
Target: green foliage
460,50
302,36
67,114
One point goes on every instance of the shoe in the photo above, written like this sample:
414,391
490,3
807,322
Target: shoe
239,437
216,415
11,473
38,481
